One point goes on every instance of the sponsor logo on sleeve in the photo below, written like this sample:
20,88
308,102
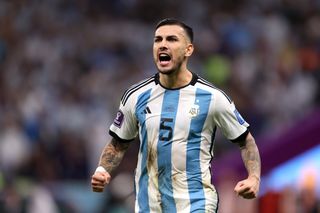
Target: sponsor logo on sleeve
119,119
239,117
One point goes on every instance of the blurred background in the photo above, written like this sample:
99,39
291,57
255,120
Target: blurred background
64,65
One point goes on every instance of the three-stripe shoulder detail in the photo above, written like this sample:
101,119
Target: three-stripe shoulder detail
207,83
134,88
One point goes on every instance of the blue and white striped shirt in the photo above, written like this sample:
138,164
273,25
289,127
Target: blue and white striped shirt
176,129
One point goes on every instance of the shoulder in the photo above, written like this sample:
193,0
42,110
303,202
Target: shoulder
217,92
137,88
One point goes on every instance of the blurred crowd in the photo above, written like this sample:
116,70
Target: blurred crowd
64,65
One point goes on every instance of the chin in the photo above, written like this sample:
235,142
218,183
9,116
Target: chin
166,71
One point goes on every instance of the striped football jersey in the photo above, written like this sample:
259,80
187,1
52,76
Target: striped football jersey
176,128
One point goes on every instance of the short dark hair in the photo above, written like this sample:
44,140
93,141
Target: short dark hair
172,21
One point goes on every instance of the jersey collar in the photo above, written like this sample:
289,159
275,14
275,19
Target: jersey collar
192,82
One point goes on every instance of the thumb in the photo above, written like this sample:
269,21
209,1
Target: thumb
238,187
106,176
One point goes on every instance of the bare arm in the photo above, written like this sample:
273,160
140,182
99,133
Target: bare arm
250,156
112,155
110,158
249,187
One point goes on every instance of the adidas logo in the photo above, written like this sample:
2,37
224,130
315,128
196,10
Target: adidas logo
147,110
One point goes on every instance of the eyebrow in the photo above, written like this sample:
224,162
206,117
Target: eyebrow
169,36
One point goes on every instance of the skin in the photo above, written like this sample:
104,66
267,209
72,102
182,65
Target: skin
110,159
173,41
249,188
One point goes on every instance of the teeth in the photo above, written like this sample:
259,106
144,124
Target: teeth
164,57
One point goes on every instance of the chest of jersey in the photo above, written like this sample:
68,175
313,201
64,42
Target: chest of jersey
173,115
172,124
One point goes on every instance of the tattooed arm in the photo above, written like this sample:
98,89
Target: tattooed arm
249,187
110,158
112,155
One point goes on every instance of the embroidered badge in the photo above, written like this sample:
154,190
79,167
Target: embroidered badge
194,111
239,117
119,119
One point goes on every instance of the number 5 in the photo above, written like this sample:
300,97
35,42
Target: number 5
166,125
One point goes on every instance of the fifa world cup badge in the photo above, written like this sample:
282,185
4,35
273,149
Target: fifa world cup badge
119,119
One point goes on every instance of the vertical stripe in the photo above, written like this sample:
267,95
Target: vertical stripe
166,130
194,175
143,197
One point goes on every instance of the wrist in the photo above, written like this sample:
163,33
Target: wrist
100,169
255,177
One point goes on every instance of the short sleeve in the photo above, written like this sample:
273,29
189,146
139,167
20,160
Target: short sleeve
227,117
124,127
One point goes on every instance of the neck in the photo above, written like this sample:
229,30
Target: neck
176,79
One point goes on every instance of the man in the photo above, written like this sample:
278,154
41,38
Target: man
176,114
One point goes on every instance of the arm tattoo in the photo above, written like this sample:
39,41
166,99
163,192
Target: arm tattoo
112,155
250,156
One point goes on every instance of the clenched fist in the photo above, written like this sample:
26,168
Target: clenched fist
248,188
99,180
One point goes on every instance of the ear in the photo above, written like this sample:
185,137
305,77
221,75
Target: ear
189,50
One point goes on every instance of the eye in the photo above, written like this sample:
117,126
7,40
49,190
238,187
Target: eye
172,39
157,39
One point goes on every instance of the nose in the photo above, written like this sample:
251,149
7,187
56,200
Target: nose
163,47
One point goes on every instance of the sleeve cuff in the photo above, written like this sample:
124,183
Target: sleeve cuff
241,138
115,136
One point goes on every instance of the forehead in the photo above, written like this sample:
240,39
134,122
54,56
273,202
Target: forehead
169,30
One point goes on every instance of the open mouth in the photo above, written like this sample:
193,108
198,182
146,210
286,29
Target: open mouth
164,58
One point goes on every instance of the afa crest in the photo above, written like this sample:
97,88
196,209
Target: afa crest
194,111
